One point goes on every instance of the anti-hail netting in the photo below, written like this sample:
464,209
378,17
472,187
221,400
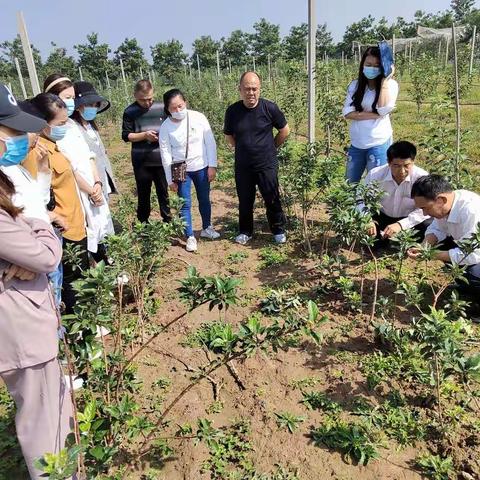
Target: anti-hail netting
425,35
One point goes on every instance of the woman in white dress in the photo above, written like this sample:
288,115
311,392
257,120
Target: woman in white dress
92,177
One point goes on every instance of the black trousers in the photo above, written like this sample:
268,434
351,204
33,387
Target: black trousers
72,273
383,221
101,254
144,177
246,181
472,274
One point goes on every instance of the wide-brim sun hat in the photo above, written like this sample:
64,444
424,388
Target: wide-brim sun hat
12,116
85,94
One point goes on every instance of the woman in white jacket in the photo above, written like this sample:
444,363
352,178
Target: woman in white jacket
87,174
186,137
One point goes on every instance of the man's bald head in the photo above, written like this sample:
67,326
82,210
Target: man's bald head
248,76
250,89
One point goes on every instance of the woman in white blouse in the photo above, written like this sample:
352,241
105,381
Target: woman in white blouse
186,137
370,99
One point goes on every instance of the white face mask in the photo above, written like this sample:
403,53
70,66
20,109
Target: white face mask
180,115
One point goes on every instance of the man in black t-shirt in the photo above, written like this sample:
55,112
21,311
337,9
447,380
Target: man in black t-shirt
248,129
141,123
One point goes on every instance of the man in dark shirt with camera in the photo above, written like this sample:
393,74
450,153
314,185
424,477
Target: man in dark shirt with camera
141,123
248,129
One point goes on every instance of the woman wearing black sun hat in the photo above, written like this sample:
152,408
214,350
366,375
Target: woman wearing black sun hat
84,149
88,104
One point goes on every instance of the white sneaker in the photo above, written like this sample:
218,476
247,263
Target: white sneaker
280,238
77,382
242,239
191,244
122,279
102,332
210,233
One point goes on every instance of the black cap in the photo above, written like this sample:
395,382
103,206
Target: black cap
12,116
85,94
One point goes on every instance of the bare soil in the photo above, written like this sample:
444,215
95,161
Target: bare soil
268,380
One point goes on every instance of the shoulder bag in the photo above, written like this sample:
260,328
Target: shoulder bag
179,169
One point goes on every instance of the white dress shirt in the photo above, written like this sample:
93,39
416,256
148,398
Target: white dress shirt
366,134
460,224
397,201
30,194
202,149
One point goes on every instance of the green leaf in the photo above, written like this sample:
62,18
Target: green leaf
97,452
312,311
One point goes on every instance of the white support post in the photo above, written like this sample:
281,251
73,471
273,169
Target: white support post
312,28
218,76
218,64
198,66
20,78
27,51
254,67
446,51
457,104
80,73
472,52
123,78
107,80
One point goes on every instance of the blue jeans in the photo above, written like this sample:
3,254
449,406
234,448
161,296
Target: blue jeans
202,187
359,159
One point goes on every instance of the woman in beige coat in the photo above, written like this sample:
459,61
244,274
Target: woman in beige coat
29,250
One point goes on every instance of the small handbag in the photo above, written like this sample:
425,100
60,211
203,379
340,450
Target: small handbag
179,169
52,203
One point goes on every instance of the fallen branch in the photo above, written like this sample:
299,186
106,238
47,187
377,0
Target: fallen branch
233,372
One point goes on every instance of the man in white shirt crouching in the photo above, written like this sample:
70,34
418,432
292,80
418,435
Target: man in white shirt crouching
456,216
398,211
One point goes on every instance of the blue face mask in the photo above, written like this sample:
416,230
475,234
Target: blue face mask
89,113
371,72
70,103
17,149
57,132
